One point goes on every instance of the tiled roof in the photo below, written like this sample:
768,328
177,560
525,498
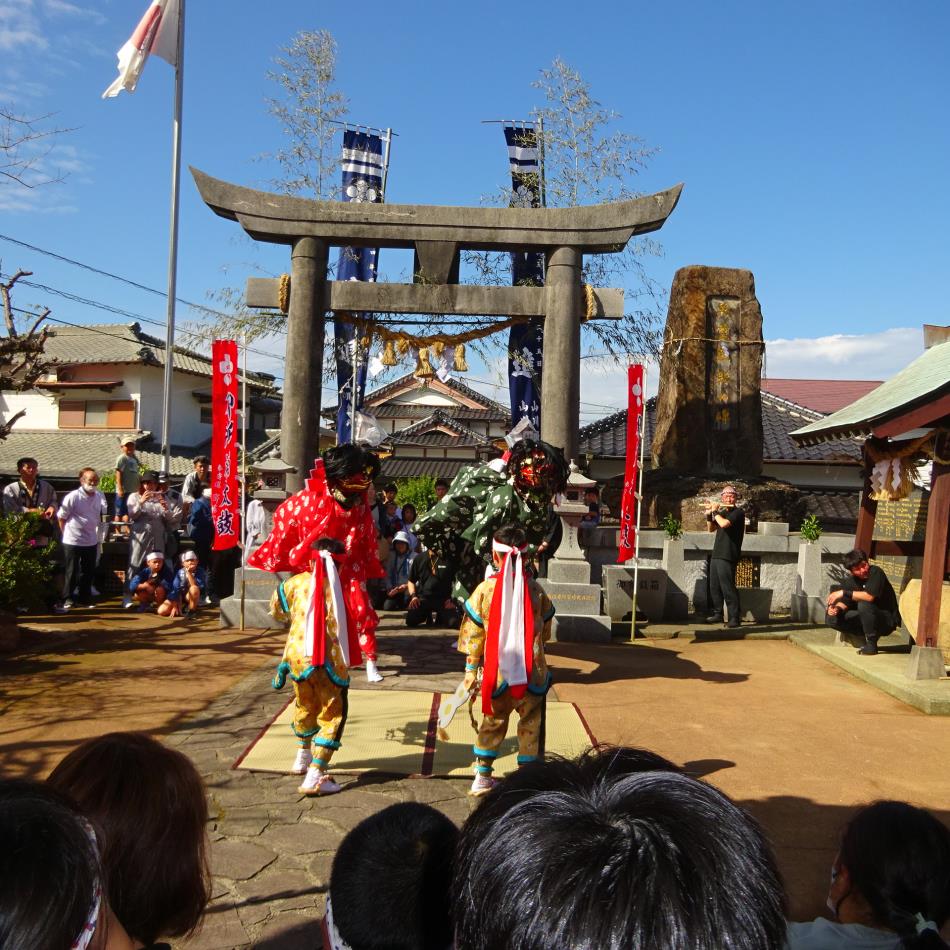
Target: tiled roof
425,432
607,438
834,509
61,454
821,395
411,468
395,410
127,343
919,383
495,409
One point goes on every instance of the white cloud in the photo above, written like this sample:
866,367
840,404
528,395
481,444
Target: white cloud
844,356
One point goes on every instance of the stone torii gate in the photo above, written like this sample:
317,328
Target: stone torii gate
437,234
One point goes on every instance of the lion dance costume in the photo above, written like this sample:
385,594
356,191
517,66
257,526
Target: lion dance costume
332,504
481,499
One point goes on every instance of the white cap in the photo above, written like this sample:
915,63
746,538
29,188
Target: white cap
402,536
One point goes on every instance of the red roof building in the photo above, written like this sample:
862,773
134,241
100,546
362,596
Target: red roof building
821,395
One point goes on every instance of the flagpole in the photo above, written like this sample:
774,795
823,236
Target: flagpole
638,496
243,528
173,243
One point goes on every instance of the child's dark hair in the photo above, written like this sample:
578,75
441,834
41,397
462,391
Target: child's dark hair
333,545
617,849
511,534
48,867
898,859
389,886
150,803
441,483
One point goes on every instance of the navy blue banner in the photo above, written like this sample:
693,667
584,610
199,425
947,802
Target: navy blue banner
362,181
525,341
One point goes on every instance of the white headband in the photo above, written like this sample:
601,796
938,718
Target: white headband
505,548
89,927
333,935
155,554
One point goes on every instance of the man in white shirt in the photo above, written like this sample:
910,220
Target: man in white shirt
79,516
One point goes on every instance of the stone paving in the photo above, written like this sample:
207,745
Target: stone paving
272,849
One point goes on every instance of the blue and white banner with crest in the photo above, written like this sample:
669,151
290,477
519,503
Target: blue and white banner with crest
362,181
525,340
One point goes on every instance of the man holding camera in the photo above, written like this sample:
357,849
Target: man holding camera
729,523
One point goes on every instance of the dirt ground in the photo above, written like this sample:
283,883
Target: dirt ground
793,739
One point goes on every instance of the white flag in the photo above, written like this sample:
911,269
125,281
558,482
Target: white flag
156,33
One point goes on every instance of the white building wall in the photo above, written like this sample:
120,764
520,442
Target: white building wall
187,427
41,410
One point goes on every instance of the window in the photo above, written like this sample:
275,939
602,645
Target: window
206,415
97,414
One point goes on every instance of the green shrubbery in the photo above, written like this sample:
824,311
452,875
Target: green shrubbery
811,528
25,566
418,491
672,526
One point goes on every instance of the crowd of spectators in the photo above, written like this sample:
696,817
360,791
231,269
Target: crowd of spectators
616,849
150,515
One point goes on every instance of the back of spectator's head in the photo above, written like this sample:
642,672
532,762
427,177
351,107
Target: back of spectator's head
150,803
617,849
897,858
50,890
389,887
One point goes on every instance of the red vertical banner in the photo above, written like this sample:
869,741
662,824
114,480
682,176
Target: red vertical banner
225,492
629,502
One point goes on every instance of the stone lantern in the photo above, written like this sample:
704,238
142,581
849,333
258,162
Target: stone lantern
571,507
273,471
576,600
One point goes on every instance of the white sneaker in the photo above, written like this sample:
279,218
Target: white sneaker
302,762
482,785
317,782
128,603
372,674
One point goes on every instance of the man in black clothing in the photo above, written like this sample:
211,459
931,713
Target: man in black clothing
865,603
430,589
729,520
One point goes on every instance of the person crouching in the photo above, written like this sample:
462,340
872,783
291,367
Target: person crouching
504,626
188,588
320,647
150,587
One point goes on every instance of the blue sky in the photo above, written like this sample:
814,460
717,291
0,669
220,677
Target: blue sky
812,139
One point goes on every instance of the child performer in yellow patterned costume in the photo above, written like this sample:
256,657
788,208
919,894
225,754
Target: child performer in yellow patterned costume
320,647
504,626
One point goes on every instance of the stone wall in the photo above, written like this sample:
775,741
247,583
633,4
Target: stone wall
777,555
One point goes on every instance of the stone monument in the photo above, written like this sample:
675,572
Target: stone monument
709,404
709,408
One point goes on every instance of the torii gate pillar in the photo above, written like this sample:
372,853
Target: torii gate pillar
560,370
300,418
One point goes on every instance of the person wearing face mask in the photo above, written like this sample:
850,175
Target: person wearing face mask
79,516
890,884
